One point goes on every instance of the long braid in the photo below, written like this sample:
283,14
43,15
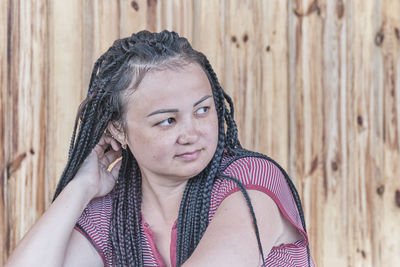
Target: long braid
78,151
193,213
232,132
214,167
253,215
95,97
245,153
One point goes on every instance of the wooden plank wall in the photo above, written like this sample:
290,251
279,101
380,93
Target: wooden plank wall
316,86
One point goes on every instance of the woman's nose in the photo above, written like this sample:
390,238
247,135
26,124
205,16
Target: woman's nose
188,134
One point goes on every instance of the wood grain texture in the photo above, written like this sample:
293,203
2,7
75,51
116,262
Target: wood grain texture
316,86
360,44
388,203
209,34
273,98
3,87
306,126
242,66
66,88
25,117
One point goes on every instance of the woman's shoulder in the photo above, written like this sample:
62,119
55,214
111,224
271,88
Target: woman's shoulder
251,168
95,219
94,224
256,172
99,208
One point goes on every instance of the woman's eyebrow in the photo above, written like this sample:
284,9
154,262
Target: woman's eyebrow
175,110
201,100
163,111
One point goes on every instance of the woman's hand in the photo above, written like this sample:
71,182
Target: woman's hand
46,244
95,171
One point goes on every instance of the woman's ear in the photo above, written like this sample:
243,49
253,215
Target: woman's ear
117,132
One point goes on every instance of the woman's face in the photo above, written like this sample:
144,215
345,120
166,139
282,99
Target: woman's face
172,124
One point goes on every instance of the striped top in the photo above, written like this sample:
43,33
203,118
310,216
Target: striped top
255,174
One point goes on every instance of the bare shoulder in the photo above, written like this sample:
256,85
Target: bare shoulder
230,239
80,252
267,213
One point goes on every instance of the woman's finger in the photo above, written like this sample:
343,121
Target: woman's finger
110,157
115,144
101,146
104,142
107,140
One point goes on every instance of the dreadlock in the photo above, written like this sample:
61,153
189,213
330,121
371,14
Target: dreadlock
117,72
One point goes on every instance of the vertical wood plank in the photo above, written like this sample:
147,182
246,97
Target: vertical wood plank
104,26
360,45
139,15
4,12
209,34
334,225
65,84
100,29
387,245
273,112
306,99
12,220
375,158
243,66
177,16
334,157
26,121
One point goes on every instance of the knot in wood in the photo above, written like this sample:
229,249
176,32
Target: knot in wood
379,37
380,190
135,5
397,198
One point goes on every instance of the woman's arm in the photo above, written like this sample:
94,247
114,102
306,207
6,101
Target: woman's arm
46,243
230,239
52,239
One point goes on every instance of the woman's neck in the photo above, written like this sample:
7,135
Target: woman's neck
161,199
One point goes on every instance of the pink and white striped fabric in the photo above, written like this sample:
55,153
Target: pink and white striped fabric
255,174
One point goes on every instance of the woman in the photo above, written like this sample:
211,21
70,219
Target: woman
185,192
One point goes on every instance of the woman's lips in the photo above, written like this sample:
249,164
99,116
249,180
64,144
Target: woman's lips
189,155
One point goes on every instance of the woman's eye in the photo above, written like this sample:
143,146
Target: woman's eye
202,110
167,122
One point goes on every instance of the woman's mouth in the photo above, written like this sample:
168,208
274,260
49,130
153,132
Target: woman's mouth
192,155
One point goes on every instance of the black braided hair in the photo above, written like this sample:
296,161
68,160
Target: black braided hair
117,72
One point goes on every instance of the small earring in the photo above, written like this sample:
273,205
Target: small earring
123,146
